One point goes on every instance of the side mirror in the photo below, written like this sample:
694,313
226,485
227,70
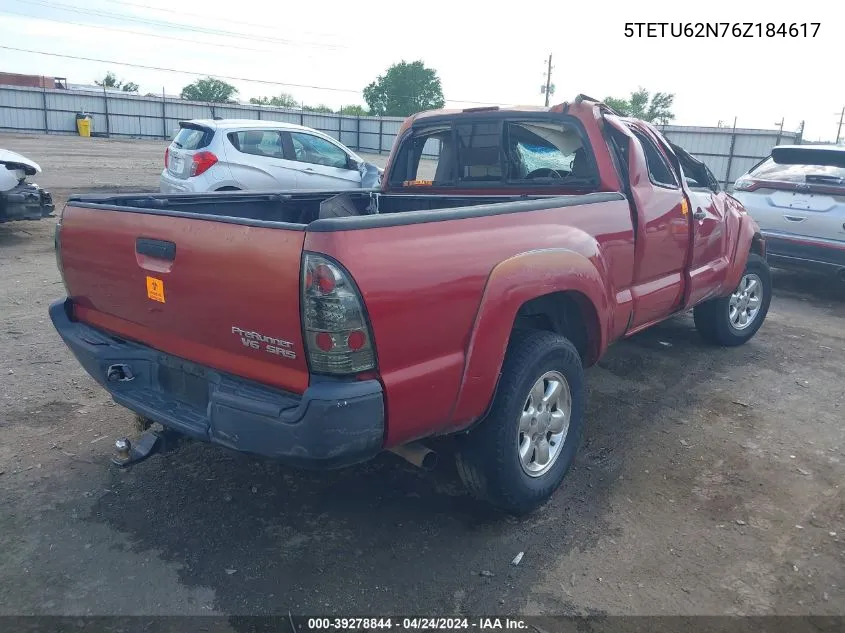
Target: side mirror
353,164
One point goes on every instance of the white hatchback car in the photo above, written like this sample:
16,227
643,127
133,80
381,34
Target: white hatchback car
232,155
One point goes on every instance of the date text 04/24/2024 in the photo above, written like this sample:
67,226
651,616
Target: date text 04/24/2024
417,624
721,29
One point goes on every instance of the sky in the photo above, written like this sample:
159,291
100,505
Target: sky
482,54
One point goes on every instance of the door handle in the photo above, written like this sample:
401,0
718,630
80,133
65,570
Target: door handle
308,170
793,218
699,214
160,249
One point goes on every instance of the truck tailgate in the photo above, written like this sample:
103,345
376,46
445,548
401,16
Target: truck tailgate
220,294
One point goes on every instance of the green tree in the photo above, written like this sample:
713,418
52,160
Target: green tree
322,108
641,104
406,88
111,81
354,110
210,90
283,100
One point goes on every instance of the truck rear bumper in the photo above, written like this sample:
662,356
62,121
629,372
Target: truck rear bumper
333,424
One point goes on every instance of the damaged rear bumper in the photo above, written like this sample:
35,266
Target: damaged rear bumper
333,424
26,201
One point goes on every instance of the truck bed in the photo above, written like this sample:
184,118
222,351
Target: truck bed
297,210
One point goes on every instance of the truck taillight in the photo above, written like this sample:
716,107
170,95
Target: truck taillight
338,340
167,157
202,162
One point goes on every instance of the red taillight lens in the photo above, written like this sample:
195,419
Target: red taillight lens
321,279
324,341
356,340
167,158
337,336
202,162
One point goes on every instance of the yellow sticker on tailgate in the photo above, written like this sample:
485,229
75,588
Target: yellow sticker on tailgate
155,289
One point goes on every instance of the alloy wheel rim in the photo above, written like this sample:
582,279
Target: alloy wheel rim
746,301
544,423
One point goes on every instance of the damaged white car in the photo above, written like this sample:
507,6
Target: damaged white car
19,199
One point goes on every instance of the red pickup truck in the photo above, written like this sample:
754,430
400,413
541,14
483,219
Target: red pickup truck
503,253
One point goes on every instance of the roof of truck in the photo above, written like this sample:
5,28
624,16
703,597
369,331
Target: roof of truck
515,108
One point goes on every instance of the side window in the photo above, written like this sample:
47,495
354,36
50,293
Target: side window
258,142
425,159
312,149
696,173
658,169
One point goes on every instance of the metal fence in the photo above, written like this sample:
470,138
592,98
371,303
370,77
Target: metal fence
729,152
116,114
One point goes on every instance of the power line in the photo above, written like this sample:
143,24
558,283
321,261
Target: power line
229,77
207,16
160,23
142,33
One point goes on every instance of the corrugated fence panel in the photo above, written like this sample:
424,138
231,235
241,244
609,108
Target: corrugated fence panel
350,139
234,112
389,131
188,110
23,109
699,140
23,119
750,144
17,98
280,115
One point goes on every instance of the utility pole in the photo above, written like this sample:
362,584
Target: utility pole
549,88
839,129
780,130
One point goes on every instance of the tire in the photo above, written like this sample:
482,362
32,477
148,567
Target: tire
713,318
488,456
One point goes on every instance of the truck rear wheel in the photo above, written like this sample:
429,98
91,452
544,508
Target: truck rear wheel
518,455
733,320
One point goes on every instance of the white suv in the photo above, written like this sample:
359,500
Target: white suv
230,155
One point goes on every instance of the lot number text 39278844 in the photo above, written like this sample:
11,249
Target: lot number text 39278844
721,29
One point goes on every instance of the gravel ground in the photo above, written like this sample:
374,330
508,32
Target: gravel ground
710,482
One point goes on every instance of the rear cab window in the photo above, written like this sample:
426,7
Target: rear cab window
530,152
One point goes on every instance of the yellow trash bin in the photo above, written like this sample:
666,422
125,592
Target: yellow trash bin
83,124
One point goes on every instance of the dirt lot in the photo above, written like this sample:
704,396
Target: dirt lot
710,482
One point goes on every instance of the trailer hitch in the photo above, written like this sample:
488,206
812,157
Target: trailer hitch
151,442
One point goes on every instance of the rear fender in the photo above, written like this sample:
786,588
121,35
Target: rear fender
741,241
510,284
